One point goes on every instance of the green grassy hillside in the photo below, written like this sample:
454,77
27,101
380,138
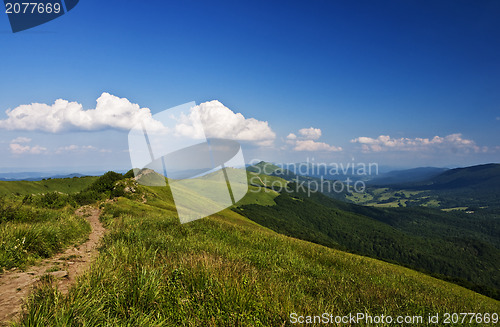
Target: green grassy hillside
29,232
263,167
261,189
39,225
226,270
334,188
66,185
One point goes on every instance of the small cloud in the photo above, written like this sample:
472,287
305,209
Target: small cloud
310,145
16,148
69,148
76,148
306,141
498,118
310,133
21,140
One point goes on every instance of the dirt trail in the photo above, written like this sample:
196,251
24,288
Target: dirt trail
16,285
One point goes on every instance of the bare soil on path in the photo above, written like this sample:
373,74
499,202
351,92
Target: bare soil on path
16,285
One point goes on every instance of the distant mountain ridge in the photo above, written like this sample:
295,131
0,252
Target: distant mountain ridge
406,176
485,176
477,186
34,176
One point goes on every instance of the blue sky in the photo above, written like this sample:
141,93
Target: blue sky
379,79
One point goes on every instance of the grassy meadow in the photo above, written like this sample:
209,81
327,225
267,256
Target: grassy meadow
29,233
226,270
37,219
64,185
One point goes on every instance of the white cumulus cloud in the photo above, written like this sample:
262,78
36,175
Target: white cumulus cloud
306,141
454,142
17,148
310,133
310,145
210,119
21,139
110,112
77,148
218,121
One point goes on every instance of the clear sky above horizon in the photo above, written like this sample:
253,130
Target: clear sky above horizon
401,83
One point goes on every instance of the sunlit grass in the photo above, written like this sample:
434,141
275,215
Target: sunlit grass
33,233
66,185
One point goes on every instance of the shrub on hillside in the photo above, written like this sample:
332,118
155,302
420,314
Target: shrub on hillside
102,188
130,173
8,210
106,182
53,200
86,197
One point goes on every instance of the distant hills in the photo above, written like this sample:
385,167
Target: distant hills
484,177
406,176
263,167
35,176
481,177
421,177
14,175
477,186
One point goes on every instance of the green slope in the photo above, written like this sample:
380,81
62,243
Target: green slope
263,167
65,185
226,270
336,189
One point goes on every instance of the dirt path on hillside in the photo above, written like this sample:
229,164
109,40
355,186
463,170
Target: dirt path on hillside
15,285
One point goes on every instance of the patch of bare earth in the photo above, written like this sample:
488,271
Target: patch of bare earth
15,285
